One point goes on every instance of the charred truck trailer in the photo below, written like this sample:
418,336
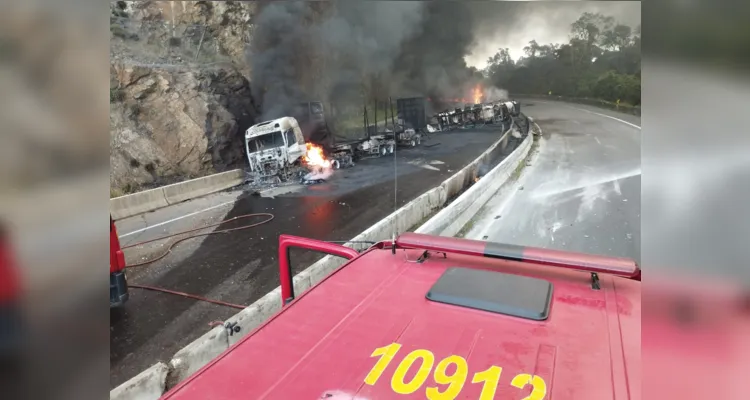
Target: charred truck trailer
411,121
509,108
472,114
412,111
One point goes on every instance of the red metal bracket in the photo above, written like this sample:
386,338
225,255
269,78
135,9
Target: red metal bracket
116,257
285,269
555,258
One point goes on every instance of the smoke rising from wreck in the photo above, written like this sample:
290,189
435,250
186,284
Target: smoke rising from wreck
341,51
349,52
493,94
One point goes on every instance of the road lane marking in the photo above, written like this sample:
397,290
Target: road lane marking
609,116
591,112
597,140
176,219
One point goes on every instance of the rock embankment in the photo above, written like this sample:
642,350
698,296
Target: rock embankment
180,98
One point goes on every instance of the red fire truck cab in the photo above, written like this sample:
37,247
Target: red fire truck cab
441,318
11,324
118,284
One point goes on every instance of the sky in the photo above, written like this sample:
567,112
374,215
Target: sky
514,24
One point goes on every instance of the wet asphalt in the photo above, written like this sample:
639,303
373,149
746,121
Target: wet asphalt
241,266
581,191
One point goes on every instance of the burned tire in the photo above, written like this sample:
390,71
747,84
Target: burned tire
383,151
336,164
391,148
413,143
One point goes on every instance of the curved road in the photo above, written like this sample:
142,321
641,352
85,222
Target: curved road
582,190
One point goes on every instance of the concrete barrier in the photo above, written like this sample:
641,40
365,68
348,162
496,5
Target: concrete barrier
192,357
195,355
451,219
137,203
149,200
193,188
148,385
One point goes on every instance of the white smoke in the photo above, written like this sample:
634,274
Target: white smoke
494,94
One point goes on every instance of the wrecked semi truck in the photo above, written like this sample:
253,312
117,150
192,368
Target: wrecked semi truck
407,127
275,150
504,110
285,149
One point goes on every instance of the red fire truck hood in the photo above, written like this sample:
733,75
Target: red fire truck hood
328,342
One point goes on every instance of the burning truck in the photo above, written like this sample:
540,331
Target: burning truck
301,146
275,150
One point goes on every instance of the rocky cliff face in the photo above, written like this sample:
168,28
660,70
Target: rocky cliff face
179,94
168,125
181,31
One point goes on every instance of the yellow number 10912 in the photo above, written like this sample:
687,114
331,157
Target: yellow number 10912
489,378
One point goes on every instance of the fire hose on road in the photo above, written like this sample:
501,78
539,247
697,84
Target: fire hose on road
269,218
169,250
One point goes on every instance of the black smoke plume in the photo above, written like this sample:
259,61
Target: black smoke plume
350,52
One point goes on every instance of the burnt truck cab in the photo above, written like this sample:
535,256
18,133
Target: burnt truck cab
118,283
425,316
274,147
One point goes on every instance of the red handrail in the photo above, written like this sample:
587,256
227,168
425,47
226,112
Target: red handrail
285,269
556,258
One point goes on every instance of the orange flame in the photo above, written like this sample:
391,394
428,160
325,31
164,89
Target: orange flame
477,93
315,156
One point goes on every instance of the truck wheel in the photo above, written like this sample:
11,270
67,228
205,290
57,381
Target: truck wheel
419,139
390,148
412,143
336,164
383,151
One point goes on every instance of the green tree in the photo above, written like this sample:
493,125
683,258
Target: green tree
532,49
617,38
602,59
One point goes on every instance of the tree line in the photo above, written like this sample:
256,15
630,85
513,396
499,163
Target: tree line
602,60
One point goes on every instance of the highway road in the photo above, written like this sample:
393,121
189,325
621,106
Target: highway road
582,190
240,267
